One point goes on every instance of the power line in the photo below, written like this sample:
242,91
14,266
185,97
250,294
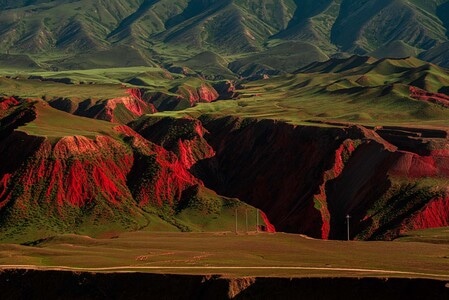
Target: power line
246,219
257,220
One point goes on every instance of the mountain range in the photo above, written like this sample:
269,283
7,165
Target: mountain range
240,36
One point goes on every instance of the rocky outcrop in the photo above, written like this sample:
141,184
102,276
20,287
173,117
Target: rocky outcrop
73,171
226,89
182,136
136,102
121,109
182,97
166,178
435,214
8,102
422,95
125,109
61,185
14,113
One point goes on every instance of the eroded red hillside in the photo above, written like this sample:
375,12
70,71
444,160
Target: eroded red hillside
423,95
305,179
158,176
181,97
183,136
77,170
136,102
308,178
120,109
8,102
102,176
435,214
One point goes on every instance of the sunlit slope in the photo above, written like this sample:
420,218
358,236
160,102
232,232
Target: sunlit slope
356,90
63,173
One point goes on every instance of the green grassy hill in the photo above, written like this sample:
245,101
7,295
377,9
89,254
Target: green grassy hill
396,49
359,90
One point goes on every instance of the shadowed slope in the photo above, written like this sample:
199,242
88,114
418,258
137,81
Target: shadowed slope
367,25
438,54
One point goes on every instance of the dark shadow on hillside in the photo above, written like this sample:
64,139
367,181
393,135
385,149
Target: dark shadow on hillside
443,13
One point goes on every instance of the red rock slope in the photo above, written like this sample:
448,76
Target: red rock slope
308,178
136,102
55,176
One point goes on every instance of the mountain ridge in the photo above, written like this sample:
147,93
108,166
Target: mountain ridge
170,31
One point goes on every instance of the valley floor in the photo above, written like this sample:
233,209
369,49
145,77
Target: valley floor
231,255
225,265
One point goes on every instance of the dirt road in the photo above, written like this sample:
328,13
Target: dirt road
130,269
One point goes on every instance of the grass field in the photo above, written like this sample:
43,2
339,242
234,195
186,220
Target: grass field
26,88
55,123
95,84
77,84
245,254
433,235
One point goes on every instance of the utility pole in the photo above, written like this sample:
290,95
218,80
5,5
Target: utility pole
347,224
236,229
257,220
246,219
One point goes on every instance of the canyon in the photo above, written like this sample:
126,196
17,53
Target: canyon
304,178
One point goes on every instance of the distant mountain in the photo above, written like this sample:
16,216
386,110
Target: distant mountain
438,54
71,34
